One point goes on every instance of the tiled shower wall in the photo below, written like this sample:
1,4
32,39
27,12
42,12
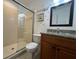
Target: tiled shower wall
11,41
9,28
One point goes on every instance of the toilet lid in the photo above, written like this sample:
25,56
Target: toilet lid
31,45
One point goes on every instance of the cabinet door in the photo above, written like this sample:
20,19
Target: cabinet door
64,54
47,51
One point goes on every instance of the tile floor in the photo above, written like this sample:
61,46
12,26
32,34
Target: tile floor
26,55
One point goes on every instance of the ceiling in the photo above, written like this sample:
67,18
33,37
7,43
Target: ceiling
36,5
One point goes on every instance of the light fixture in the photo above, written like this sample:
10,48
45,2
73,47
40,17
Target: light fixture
58,2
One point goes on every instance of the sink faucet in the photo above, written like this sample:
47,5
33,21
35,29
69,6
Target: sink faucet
58,30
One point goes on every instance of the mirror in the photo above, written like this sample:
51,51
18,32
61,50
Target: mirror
62,14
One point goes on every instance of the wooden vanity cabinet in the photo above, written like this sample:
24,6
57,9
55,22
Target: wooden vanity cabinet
57,47
48,51
64,54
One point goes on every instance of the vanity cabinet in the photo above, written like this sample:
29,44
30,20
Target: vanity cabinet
57,47
65,54
48,51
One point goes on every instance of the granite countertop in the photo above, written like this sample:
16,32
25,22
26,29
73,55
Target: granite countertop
63,34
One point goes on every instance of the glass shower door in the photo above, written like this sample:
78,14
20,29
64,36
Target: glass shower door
25,21
17,30
10,14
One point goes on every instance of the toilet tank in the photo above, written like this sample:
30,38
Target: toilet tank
36,38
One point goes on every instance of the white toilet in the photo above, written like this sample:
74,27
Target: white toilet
32,46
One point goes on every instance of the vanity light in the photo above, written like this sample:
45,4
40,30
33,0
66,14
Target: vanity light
58,2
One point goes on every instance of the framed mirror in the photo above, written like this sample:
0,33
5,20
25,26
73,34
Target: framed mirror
62,14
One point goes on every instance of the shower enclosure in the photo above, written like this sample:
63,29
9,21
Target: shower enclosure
17,29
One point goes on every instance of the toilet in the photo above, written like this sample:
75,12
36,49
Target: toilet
33,46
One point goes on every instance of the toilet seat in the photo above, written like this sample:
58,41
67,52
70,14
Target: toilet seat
31,47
